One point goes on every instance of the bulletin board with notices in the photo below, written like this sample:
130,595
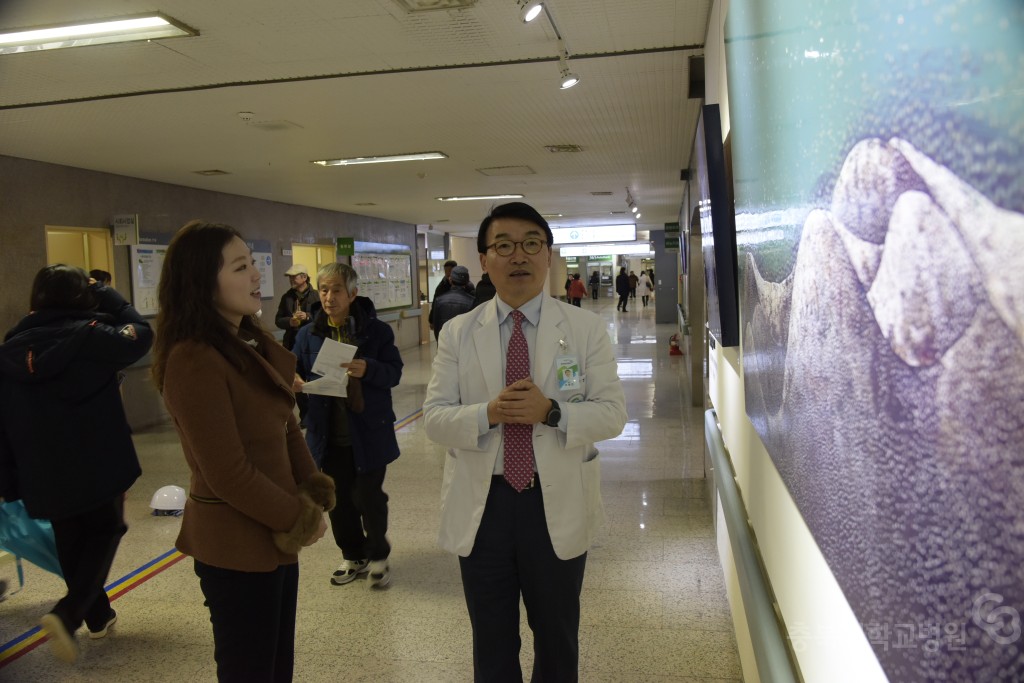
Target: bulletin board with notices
147,261
385,278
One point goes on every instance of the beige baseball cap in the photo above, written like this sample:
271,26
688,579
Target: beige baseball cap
296,269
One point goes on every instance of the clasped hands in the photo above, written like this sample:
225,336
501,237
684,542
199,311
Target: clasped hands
521,402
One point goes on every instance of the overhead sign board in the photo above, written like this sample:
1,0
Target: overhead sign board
635,249
595,233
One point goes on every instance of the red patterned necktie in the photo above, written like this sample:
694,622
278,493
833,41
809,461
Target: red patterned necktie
518,437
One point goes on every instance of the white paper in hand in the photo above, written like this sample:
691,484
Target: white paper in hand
332,355
326,386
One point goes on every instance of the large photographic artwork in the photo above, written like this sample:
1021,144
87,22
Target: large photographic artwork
878,152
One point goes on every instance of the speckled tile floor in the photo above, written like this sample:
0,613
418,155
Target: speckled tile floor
654,603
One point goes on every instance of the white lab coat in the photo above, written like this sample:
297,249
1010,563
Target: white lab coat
468,372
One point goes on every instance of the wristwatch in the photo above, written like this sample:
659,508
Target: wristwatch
554,415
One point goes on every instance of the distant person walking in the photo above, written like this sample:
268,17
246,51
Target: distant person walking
484,290
577,290
622,289
595,284
633,280
453,302
645,287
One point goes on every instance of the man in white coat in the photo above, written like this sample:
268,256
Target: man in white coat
523,386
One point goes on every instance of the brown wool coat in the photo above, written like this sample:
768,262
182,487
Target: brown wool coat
254,483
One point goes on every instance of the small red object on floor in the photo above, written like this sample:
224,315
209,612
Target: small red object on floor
673,346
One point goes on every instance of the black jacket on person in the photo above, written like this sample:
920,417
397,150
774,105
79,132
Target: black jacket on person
292,301
455,302
622,284
68,445
485,291
443,287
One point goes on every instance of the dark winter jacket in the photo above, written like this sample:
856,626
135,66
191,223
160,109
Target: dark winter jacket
485,291
372,431
622,284
292,301
67,437
450,304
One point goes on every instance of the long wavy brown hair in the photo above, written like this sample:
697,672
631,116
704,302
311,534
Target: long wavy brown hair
188,283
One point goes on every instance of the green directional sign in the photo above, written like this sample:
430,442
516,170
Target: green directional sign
671,243
671,228
346,246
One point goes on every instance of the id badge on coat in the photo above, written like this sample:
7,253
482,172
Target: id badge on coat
567,369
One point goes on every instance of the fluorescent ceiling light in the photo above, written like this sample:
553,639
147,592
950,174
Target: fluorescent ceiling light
479,196
419,156
136,27
595,233
643,249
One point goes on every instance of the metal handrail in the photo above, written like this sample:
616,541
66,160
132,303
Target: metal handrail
770,652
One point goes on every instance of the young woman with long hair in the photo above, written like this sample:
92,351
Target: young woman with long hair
256,497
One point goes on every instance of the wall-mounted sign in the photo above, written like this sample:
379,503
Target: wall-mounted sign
595,233
635,249
126,229
671,243
671,228
346,246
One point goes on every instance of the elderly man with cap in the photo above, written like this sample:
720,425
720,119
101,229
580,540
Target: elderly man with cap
455,301
294,310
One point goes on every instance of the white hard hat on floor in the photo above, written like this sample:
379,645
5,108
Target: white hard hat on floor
168,500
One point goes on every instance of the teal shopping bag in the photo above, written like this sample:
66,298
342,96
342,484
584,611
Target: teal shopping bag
31,539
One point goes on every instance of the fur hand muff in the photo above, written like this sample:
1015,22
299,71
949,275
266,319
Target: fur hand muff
307,524
320,488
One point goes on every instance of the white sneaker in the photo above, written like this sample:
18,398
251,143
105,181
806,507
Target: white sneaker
380,574
348,571
62,642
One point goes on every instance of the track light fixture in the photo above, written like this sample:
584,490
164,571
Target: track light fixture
568,78
632,204
529,9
